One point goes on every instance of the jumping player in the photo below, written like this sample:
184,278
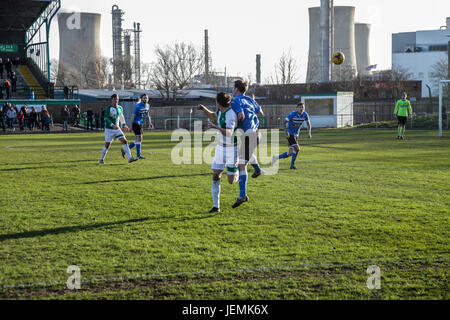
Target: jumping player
226,149
140,113
113,120
247,111
293,123
402,108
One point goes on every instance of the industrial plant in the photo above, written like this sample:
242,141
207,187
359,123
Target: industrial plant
333,28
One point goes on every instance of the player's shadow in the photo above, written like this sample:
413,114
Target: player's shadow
62,230
149,178
53,162
94,163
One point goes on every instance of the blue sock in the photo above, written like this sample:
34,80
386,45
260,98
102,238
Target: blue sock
294,156
256,167
243,183
138,149
284,155
131,145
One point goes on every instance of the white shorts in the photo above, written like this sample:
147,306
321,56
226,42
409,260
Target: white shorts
111,135
225,156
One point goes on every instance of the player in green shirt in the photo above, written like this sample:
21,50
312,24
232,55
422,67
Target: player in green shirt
226,155
113,119
402,109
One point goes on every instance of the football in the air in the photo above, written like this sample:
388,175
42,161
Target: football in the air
338,58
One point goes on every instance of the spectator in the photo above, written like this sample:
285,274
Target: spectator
45,119
26,113
76,116
14,82
8,67
102,119
33,119
3,117
65,116
16,62
31,94
90,118
7,86
66,92
42,117
97,120
1,88
1,68
21,119
11,114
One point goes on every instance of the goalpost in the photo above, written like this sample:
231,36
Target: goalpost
441,85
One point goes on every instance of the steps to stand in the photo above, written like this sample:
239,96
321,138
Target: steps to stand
31,82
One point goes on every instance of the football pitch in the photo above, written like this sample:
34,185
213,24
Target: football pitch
359,198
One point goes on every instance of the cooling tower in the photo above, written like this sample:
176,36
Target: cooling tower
79,40
344,40
362,36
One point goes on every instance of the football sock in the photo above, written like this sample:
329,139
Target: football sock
104,151
255,164
131,145
284,155
243,183
215,192
127,150
402,132
294,156
138,149
399,131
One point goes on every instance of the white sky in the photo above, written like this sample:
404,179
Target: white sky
240,29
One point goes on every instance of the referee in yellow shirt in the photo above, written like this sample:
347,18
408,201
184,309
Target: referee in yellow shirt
402,109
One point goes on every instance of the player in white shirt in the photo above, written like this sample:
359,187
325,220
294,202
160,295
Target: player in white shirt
226,154
113,120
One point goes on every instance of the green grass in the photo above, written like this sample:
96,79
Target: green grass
142,231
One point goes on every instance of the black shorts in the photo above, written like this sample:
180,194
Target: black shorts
249,142
401,120
292,140
137,129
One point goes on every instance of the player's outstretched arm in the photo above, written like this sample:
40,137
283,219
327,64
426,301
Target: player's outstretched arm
208,113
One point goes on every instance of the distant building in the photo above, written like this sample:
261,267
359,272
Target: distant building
418,51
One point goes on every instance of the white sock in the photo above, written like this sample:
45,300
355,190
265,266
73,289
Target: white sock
215,192
127,150
104,151
253,160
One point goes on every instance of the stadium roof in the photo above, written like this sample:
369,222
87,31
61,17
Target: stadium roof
19,15
105,94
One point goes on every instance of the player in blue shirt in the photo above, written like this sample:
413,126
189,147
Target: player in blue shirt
247,111
294,122
140,113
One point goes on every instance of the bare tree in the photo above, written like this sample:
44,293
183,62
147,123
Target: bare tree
188,61
439,71
161,75
286,70
175,67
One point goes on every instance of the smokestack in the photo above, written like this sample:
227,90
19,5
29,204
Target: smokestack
137,54
117,42
258,69
325,39
206,57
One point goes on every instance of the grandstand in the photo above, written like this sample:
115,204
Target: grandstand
25,34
